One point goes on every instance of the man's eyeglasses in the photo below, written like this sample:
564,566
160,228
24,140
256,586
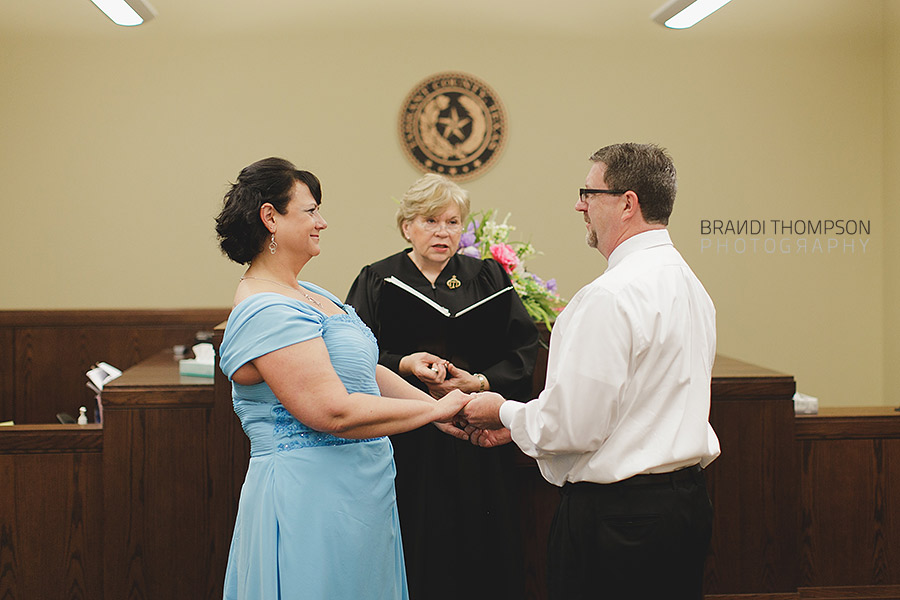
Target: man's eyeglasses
584,192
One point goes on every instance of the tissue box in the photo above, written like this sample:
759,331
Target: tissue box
195,368
202,364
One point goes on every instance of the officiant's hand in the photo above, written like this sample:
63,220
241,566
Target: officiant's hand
457,379
427,367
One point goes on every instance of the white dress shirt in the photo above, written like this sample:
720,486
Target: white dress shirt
628,375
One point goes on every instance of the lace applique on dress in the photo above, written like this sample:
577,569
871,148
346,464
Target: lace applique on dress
301,436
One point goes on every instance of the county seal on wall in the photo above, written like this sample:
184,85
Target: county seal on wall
453,124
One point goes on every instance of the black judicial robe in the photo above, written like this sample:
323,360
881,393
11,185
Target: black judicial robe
458,512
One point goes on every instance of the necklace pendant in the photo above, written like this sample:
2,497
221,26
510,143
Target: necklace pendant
453,283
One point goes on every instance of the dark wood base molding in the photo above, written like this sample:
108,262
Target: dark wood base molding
864,592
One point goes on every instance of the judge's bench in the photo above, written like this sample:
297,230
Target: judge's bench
143,506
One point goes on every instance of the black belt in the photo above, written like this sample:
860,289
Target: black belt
694,473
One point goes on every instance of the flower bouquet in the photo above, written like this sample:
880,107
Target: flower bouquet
486,238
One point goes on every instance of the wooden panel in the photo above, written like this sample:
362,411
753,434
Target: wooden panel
863,592
55,381
51,519
845,423
754,487
7,375
850,515
54,438
751,597
52,350
157,504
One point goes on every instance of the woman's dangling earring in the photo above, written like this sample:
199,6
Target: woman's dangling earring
272,245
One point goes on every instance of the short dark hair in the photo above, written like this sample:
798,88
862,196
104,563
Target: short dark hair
240,230
648,171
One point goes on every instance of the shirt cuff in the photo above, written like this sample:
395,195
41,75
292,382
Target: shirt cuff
508,411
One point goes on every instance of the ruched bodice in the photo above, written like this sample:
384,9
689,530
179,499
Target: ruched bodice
270,427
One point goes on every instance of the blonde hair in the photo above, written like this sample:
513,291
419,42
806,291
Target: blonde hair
429,197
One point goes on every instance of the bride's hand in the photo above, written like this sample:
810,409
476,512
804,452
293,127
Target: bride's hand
451,429
448,408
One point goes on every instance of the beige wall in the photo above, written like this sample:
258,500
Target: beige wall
111,179
891,326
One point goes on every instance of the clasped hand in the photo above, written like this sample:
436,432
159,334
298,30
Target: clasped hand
438,374
478,420
478,417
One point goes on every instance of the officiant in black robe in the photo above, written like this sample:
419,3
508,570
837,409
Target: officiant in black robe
445,321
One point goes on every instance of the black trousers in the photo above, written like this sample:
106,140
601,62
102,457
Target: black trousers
642,538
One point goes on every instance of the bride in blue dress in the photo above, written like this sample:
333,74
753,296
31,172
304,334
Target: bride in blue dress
317,517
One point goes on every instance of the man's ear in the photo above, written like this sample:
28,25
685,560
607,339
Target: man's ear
632,207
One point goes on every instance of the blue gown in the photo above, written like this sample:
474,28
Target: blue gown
318,515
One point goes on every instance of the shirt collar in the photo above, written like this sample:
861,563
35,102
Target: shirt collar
636,243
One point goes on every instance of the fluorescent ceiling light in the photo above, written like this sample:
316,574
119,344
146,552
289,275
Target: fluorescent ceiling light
681,14
126,12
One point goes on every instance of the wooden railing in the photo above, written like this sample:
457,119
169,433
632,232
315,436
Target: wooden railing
44,354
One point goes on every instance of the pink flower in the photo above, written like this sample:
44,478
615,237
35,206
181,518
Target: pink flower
506,256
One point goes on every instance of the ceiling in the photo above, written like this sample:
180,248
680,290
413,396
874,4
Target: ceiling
228,17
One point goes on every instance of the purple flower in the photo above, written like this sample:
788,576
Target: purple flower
470,251
467,239
550,284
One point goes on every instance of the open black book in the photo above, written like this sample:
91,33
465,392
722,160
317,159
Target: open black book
442,309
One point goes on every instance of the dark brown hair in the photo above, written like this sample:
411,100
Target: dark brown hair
648,171
240,230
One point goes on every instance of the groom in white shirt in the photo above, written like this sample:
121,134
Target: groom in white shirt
622,425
